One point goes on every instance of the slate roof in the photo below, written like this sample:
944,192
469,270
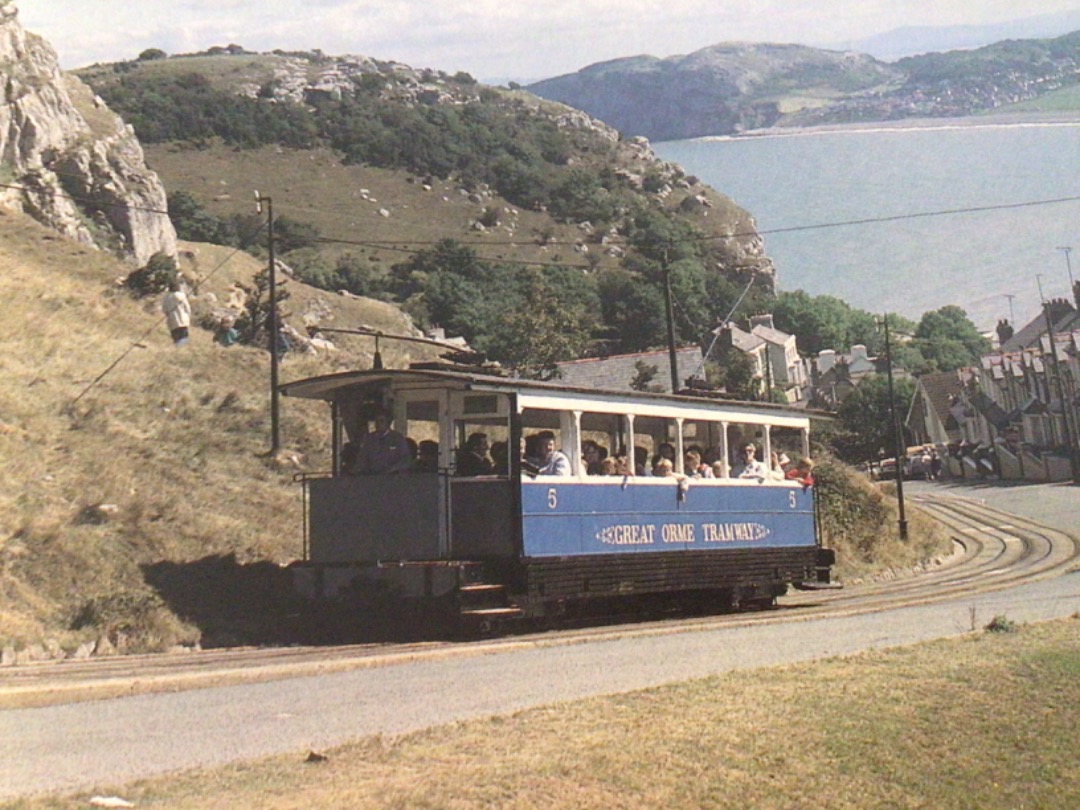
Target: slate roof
616,372
942,389
1030,334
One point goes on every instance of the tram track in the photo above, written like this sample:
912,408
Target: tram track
994,550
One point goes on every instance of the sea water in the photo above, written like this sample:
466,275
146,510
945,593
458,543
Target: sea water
932,245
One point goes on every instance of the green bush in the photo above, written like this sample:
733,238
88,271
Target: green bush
154,278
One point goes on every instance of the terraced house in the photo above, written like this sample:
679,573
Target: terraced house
1017,414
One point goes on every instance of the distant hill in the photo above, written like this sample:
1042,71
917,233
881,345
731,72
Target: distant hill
730,88
914,40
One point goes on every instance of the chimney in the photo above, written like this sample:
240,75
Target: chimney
826,359
761,320
1004,331
1059,308
858,352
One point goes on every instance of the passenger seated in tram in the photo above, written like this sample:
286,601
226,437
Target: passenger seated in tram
473,458
777,470
427,457
548,460
500,458
665,469
694,467
749,466
384,450
609,466
641,461
802,472
664,450
592,455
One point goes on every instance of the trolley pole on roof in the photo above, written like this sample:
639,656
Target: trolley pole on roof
272,323
899,449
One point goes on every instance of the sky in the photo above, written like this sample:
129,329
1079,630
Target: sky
494,40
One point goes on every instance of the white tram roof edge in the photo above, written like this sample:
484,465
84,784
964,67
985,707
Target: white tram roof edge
555,396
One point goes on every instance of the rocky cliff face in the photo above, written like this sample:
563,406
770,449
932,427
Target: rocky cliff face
67,160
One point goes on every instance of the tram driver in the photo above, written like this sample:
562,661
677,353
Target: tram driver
384,450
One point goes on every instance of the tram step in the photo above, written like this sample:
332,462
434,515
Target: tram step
818,586
492,613
481,587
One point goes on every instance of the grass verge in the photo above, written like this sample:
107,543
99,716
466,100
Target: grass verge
987,721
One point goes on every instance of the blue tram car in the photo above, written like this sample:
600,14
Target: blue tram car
509,543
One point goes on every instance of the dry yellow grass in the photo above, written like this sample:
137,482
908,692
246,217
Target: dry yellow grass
985,721
176,439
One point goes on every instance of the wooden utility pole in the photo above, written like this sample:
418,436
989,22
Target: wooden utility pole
272,326
673,358
899,448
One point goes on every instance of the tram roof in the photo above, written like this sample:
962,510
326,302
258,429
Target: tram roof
329,386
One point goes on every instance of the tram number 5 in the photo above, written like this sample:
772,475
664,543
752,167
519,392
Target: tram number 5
791,499
553,498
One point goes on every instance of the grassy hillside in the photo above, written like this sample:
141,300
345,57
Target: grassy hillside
377,163
174,441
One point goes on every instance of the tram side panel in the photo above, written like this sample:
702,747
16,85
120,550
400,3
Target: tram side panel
589,540
372,518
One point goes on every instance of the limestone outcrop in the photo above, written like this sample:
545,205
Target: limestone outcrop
69,161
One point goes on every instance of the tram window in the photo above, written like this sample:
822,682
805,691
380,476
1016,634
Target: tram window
705,437
653,436
421,428
603,436
470,436
421,420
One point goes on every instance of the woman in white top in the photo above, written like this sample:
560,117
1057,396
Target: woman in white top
177,310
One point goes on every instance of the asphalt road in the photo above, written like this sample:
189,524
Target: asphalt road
95,745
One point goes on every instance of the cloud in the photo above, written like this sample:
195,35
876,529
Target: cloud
485,37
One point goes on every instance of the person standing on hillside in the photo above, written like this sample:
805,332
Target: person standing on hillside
177,311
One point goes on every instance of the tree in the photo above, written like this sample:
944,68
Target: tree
292,234
631,308
735,373
152,54
195,223
541,330
644,374
823,322
251,325
948,340
866,419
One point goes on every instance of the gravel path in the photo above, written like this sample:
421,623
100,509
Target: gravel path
79,746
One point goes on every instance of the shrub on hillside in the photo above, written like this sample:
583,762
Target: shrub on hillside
858,520
154,278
